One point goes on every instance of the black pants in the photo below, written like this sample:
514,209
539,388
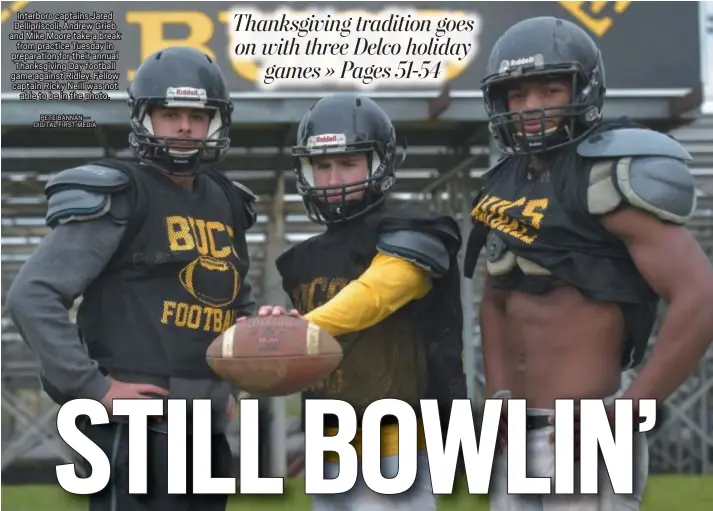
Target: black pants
113,439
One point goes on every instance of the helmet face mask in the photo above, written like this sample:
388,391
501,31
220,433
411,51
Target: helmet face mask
198,85
567,55
335,128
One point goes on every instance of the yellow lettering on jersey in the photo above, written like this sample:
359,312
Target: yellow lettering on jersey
186,233
319,291
212,244
534,210
494,212
212,228
200,238
307,297
179,234
197,317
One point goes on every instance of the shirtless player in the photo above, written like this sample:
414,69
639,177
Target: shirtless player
583,227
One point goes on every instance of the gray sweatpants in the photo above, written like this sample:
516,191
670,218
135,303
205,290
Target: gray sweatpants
541,463
361,498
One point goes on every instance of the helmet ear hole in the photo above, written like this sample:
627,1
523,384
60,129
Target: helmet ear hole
180,77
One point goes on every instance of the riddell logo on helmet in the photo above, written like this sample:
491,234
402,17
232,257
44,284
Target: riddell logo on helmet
328,139
534,60
186,93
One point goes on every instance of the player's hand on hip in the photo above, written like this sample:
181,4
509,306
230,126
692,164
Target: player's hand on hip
123,390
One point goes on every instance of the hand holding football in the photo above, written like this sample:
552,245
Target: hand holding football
274,355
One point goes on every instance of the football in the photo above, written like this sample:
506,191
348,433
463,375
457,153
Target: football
274,355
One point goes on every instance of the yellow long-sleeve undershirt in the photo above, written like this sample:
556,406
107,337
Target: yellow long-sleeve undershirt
387,285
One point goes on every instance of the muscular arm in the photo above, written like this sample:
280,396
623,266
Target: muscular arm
62,267
386,286
492,332
674,265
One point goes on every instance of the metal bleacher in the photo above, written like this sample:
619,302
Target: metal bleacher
445,125
436,176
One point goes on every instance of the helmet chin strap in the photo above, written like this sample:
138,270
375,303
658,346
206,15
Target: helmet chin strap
165,169
180,153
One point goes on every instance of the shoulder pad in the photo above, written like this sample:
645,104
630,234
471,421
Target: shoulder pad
249,198
96,178
660,185
82,193
424,250
448,231
245,191
631,142
420,220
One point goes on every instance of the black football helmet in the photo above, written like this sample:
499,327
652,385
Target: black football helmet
181,77
339,124
547,47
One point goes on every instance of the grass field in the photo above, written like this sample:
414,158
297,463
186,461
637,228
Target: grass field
664,493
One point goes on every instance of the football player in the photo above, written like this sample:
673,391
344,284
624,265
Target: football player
384,280
582,221
157,251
